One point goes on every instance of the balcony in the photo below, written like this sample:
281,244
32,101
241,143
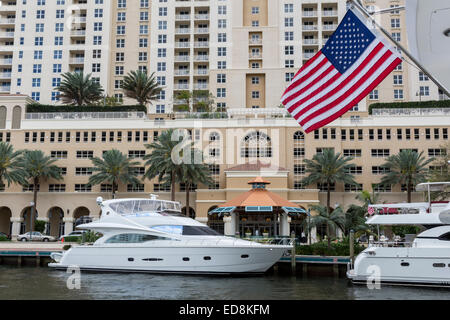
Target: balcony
308,27
255,41
200,86
8,21
6,61
181,86
182,30
414,112
84,115
201,44
202,17
77,60
201,30
8,7
180,45
329,27
201,72
181,58
308,55
80,33
183,17
201,58
181,72
79,19
330,13
309,14
6,34
5,88
5,75
310,42
255,55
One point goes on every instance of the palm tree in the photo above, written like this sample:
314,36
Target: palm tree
407,167
194,173
333,220
160,160
138,85
37,167
114,167
186,97
10,171
328,167
77,89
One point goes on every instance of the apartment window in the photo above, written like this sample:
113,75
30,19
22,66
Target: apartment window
353,188
83,171
352,152
85,154
437,152
83,188
380,170
136,154
380,153
58,154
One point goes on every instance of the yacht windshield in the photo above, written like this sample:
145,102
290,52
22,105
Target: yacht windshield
128,207
187,230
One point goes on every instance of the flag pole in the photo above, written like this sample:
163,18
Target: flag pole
410,56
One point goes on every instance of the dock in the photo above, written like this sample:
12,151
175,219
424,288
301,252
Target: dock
38,254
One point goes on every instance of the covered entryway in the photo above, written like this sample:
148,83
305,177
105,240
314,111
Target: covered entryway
81,215
215,221
5,220
55,225
26,223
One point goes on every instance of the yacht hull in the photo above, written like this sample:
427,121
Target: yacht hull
403,266
181,260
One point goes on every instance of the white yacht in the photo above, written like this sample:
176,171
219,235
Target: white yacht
425,261
151,235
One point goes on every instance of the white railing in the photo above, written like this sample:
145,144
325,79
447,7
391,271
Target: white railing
181,86
201,72
85,115
183,30
77,60
201,58
6,61
329,26
5,75
182,44
200,86
308,27
183,17
78,32
411,112
201,44
308,55
5,89
8,21
7,34
310,41
201,30
202,17
255,41
309,13
329,13
181,58
233,113
181,72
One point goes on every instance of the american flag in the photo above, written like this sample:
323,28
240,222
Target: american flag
352,63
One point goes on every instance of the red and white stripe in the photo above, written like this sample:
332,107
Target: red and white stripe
319,93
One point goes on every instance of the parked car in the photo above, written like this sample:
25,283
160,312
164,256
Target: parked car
77,234
36,236
7,236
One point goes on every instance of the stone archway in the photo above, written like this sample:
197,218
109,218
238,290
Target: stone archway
5,220
191,212
55,225
26,223
80,214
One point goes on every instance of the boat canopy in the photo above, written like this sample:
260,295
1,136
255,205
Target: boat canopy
138,206
433,186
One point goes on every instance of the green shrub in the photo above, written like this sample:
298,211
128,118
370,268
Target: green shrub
3,238
71,239
42,108
39,226
67,247
341,248
408,105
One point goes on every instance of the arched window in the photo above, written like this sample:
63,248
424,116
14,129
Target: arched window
256,145
17,117
214,136
299,136
2,117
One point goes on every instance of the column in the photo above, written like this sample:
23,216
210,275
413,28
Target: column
284,225
313,235
16,221
47,225
339,233
68,225
234,223
228,231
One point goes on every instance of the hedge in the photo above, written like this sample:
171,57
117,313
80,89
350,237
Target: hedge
410,105
72,239
42,108
3,238
321,249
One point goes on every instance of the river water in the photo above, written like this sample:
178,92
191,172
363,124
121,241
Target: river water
42,283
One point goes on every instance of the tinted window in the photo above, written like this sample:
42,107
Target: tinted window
199,231
445,236
133,238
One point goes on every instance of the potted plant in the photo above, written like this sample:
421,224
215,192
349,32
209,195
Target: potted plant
248,233
265,233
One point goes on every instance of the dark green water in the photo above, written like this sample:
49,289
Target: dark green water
43,283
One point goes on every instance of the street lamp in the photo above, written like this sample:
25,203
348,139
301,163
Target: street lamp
31,219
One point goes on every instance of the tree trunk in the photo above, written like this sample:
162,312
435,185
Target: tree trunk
113,190
409,190
34,210
172,186
328,214
188,211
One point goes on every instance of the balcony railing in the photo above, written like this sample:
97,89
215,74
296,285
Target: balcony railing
310,41
201,72
411,112
308,55
77,60
308,27
202,17
8,21
7,34
182,44
181,72
309,14
201,58
5,75
200,86
183,30
84,115
78,32
201,44
183,17
181,86
255,41
255,56
201,30
6,61
5,89
329,26
181,58
329,13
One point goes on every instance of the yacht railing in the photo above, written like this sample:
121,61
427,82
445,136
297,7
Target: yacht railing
386,244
